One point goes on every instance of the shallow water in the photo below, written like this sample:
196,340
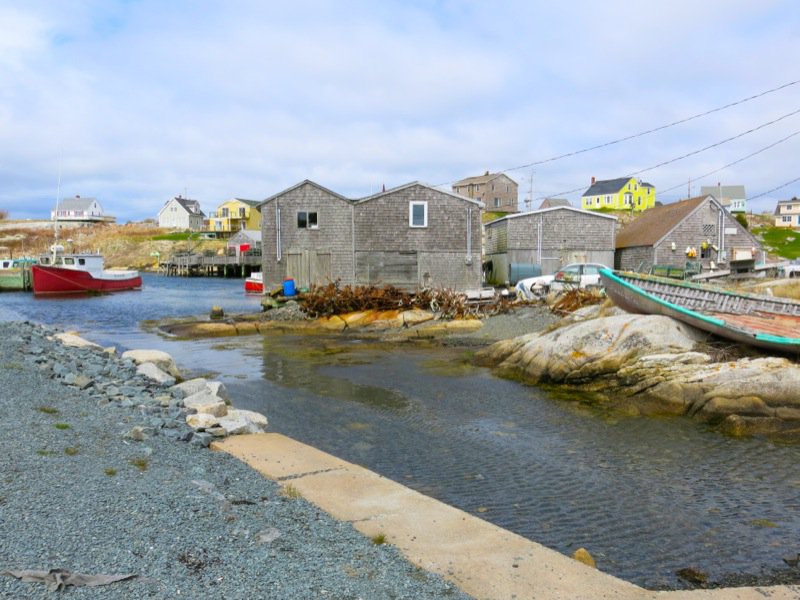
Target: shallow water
645,496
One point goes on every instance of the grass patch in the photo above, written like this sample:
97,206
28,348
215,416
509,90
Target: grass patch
62,425
71,451
45,452
48,410
378,540
13,365
140,463
110,471
290,492
779,240
178,236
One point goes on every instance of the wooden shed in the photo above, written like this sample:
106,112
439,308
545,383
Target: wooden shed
697,230
543,241
412,236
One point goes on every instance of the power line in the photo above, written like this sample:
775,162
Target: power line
775,189
736,162
655,129
694,152
725,141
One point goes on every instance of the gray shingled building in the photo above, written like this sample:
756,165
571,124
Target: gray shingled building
412,236
546,240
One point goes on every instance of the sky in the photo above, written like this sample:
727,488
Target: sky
134,102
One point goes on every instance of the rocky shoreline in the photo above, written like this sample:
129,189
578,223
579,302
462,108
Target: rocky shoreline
106,484
654,365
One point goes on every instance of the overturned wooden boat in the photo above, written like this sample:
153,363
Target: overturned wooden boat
762,321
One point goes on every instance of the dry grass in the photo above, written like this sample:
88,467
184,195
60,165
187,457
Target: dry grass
787,290
122,246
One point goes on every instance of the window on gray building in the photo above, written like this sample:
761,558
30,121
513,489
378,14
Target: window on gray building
418,214
307,220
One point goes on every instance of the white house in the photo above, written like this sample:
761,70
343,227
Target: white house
732,197
79,211
181,213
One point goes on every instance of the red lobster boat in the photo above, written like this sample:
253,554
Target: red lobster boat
60,273
255,283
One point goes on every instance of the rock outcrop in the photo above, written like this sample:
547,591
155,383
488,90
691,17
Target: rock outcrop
650,364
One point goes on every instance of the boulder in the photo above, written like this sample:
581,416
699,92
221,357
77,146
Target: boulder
589,349
206,402
202,421
649,365
158,357
73,340
152,371
243,421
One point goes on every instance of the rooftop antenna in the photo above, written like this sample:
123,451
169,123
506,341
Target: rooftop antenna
529,199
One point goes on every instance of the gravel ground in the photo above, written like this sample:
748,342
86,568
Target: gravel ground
77,494
522,319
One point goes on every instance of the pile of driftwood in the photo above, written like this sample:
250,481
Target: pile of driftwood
572,300
336,299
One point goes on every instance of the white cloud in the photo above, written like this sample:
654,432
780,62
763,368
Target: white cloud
143,100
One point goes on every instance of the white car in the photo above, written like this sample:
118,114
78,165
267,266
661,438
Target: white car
576,275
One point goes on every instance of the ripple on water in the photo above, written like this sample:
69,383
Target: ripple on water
646,496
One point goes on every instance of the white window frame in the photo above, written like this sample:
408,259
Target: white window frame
424,205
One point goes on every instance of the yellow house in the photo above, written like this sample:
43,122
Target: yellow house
234,215
625,193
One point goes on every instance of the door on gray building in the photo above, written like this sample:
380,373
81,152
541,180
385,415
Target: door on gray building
309,267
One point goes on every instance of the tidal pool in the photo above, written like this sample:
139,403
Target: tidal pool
645,496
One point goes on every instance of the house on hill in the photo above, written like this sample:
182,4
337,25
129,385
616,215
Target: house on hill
233,215
732,197
543,241
554,202
787,213
697,230
181,213
79,211
412,236
497,191
625,193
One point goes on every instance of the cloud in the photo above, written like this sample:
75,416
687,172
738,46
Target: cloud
139,101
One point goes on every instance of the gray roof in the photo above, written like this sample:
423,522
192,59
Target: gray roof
76,203
191,206
611,186
300,184
553,202
591,213
725,191
481,179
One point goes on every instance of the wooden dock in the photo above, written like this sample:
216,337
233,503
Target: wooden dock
200,265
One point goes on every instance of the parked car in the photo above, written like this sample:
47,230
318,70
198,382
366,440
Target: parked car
790,270
576,275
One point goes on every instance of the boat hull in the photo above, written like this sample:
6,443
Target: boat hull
253,287
57,280
16,279
255,283
760,321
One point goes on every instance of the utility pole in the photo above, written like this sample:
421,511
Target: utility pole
529,199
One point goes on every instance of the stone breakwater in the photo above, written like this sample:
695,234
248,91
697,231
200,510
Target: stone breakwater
195,411
651,365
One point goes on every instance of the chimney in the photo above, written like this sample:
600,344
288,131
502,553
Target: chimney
593,179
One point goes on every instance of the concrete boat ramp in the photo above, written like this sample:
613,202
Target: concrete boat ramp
481,559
